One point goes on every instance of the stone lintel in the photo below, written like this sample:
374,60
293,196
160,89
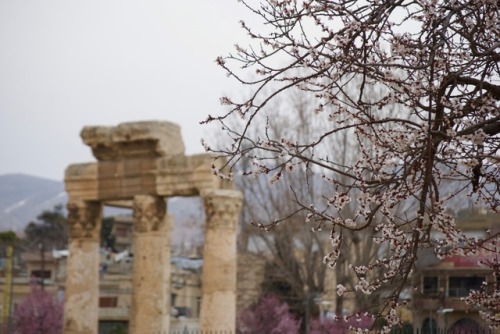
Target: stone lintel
123,179
133,140
125,204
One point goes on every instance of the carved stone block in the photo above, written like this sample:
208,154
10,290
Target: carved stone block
149,213
84,219
132,140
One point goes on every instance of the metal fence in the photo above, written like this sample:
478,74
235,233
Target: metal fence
406,330
192,331
438,330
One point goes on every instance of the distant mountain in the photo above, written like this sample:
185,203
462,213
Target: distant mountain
24,197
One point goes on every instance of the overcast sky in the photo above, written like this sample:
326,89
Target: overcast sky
65,64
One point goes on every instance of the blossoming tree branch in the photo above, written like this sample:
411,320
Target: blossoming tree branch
427,139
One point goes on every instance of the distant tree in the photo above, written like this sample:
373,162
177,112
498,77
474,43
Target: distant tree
437,61
107,238
270,315
294,252
7,238
49,231
38,313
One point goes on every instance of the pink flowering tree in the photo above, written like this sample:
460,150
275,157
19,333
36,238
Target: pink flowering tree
429,138
270,315
341,325
328,326
38,313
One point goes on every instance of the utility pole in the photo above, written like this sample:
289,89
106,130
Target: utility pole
7,302
41,246
8,239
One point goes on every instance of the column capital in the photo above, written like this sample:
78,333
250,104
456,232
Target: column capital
149,213
222,207
84,219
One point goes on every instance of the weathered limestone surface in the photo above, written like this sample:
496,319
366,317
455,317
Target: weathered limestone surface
123,179
82,282
132,140
218,305
151,267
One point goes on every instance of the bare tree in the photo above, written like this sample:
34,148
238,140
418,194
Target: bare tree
294,270
49,230
295,253
436,60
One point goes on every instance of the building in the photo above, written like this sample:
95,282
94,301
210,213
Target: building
440,285
115,284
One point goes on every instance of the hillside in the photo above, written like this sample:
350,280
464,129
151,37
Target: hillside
24,197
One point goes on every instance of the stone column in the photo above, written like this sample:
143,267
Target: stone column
81,307
150,309
218,304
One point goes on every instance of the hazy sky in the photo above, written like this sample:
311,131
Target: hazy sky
65,64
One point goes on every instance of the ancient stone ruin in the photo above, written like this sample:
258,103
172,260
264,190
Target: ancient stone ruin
139,165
